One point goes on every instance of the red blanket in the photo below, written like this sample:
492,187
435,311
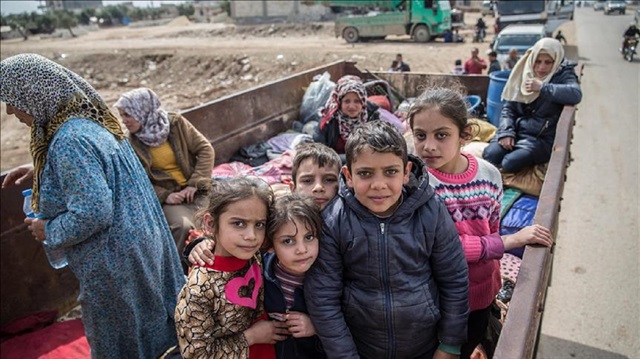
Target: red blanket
63,340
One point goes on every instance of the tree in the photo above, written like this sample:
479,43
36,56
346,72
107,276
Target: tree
185,10
66,19
138,14
46,23
85,15
226,6
19,22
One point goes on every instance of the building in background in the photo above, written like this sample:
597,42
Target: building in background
73,5
206,10
255,11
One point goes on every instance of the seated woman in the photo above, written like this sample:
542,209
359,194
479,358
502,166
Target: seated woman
540,85
346,108
175,155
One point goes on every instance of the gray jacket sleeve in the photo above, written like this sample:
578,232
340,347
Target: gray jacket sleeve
323,291
565,90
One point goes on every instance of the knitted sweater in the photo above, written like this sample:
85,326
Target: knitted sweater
473,201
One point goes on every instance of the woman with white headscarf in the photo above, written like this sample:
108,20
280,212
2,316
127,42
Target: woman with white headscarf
97,209
539,87
175,155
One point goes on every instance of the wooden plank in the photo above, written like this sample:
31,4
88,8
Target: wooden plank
521,328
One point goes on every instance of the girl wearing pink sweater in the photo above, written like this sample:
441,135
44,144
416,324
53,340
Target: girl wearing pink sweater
471,188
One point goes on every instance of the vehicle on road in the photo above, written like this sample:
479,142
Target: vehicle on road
29,285
599,5
612,6
630,51
487,8
552,13
518,36
422,20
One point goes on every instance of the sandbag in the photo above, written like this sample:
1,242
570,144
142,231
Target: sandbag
528,180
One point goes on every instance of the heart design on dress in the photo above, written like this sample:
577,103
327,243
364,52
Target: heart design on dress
244,291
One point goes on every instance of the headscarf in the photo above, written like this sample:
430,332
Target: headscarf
144,106
331,110
51,94
514,89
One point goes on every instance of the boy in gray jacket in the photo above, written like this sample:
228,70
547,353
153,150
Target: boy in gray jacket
391,279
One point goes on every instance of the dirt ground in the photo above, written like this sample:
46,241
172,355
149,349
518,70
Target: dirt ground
189,64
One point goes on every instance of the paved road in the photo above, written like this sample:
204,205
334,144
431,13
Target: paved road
592,308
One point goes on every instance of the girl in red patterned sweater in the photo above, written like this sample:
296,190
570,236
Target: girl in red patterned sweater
471,188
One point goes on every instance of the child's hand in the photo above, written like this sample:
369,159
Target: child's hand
535,234
202,253
175,198
189,193
300,325
507,143
439,354
266,332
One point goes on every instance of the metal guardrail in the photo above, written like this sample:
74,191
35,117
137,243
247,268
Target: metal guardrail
521,330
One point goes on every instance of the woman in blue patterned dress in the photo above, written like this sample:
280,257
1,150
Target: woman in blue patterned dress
98,209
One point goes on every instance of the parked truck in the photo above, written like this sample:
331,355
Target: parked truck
30,285
422,19
551,13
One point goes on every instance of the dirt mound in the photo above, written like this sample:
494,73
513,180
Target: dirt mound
257,31
179,21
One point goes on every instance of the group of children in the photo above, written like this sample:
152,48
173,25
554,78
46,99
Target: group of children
391,255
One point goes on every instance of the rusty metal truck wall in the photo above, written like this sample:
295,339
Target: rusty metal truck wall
254,115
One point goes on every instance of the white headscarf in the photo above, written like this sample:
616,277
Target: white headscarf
514,90
144,106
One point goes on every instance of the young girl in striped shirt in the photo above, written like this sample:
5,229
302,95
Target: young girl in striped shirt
471,189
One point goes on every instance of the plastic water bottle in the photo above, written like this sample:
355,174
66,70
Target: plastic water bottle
57,258
26,206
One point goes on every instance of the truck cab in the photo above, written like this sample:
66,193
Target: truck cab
422,19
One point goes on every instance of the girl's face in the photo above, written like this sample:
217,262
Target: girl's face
543,65
296,247
351,105
437,140
240,229
132,125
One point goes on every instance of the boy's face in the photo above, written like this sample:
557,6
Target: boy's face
377,179
320,183
296,247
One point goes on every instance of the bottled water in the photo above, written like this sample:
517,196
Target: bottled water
56,257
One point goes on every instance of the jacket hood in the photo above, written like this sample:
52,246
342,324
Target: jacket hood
416,193
268,262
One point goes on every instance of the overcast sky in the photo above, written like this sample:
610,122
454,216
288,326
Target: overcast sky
19,6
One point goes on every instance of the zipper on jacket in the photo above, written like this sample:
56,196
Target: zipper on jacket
544,128
387,294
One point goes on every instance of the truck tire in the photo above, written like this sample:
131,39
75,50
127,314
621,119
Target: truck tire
350,34
421,34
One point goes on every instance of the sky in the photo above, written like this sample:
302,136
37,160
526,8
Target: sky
19,6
